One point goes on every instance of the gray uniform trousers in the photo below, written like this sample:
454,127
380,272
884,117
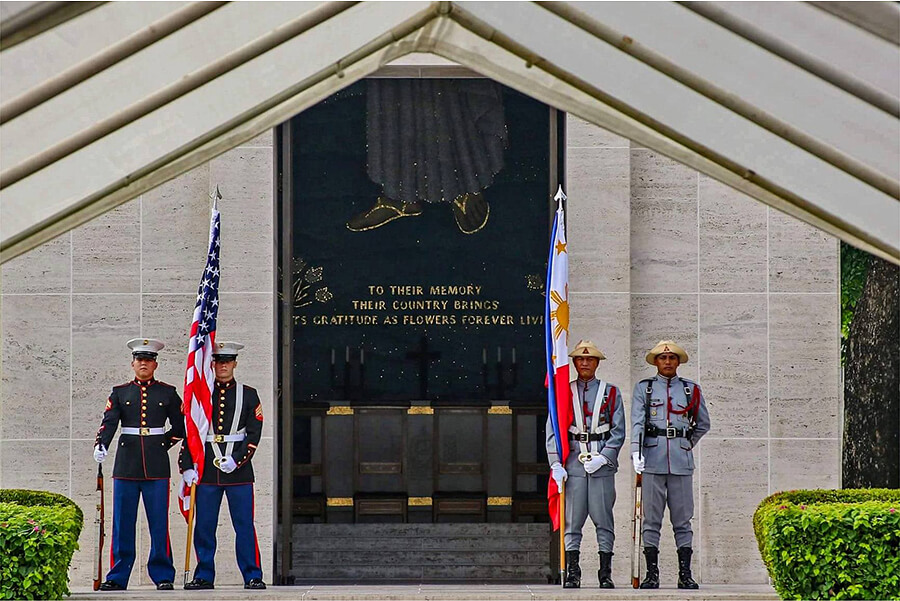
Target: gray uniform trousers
593,495
678,492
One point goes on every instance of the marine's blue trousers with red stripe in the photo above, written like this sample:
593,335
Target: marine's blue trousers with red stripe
126,494
241,507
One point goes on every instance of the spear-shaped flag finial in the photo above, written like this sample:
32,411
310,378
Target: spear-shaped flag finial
217,196
560,197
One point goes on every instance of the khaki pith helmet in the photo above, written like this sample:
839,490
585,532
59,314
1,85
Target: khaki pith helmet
586,348
666,346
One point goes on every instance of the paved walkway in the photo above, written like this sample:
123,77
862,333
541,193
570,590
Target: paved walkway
439,592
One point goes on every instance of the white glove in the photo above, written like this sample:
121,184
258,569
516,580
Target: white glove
100,453
227,465
559,473
638,462
190,477
595,463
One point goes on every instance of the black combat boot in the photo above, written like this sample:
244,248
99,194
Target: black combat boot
604,574
573,570
651,554
684,569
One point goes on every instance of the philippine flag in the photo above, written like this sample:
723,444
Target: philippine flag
556,318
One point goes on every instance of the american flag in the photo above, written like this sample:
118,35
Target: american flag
198,376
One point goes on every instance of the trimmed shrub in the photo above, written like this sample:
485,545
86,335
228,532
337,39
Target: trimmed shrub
38,535
831,544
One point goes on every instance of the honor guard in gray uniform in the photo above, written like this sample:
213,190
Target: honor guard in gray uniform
595,438
668,413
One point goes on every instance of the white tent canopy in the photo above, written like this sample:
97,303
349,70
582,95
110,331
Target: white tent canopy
794,104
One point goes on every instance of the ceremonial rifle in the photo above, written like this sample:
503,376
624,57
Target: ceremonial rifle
637,522
99,520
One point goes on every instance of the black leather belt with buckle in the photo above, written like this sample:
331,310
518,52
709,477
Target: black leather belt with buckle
668,432
585,437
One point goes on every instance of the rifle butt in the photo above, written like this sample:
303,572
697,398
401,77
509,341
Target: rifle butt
637,523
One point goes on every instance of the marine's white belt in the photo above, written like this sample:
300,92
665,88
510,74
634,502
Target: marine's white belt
226,437
144,431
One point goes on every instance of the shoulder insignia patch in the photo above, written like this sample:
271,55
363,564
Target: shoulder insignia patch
259,414
108,404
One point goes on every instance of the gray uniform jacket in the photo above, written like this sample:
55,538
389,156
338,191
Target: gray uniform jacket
610,447
667,455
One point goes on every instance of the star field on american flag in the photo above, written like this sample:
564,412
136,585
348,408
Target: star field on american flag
207,293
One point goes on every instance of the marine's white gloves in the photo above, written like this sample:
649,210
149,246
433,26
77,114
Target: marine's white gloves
190,477
100,453
638,462
559,474
595,463
227,464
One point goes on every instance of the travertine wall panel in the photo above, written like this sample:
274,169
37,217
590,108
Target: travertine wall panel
175,226
733,481
801,258
44,270
732,240
101,323
805,392
792,469
663,224
244,176
733,362
106,252
36,355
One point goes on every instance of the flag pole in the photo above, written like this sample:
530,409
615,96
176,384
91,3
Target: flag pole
562,534
190,537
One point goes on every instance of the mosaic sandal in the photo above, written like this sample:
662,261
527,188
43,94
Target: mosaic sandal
383,211
471,212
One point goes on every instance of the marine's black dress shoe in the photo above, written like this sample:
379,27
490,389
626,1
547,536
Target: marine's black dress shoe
199,584
165,585
255,584
109,585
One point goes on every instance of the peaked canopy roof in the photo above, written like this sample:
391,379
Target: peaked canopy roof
794,104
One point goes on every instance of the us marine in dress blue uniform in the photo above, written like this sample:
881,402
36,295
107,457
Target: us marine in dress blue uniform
234,434
669,414
142,406
595,438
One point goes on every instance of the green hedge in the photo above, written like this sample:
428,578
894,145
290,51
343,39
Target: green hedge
831,544
38,535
